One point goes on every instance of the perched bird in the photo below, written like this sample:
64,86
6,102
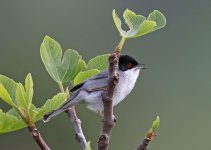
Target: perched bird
90,91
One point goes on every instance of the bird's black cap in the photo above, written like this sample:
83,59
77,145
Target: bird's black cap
127,62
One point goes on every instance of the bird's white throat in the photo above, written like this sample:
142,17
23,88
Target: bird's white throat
127,80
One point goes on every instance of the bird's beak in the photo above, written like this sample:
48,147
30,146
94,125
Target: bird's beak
140,66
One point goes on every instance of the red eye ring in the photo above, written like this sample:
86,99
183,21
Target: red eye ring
129,65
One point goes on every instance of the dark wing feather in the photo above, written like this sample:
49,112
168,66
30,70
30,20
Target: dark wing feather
78,86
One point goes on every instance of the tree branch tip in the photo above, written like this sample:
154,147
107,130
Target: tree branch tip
148,139
113,57
152,136
117,50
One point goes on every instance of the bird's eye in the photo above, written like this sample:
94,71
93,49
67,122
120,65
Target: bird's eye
129,65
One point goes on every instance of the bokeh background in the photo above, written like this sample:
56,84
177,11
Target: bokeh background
176,86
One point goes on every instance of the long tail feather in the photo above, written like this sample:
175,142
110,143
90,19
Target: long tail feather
52,114
56,112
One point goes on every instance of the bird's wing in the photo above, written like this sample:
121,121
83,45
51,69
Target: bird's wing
95,83
76,87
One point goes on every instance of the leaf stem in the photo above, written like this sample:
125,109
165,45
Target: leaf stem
121,43
61,87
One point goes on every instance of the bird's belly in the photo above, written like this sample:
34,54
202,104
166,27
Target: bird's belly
94,101
119,95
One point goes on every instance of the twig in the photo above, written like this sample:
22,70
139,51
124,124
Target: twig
149,136
77,127
76,122
38,138
144,144
109,118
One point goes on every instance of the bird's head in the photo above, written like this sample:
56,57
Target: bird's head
127,63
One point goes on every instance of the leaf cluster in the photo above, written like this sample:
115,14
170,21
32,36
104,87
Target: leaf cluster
138,24
67,68
70,67
23,112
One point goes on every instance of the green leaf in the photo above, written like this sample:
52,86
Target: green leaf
138,24
133,21
84,75
14,112
156,124
9,85
29,90
159,18
52,104
69,65
36,113
21,97
51,53
5,96
88,147
81,66
60,69
99,62
118,23
10,123
146,27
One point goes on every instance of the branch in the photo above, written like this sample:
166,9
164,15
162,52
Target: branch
38,138
77,127
109,118
144,144
76,122
150,135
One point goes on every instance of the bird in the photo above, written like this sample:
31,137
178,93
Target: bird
91,90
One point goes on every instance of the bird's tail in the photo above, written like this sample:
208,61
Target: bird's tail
52,114
56,112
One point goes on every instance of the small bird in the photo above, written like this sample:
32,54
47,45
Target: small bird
90,91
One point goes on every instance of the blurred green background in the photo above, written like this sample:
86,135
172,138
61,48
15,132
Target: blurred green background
175,86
